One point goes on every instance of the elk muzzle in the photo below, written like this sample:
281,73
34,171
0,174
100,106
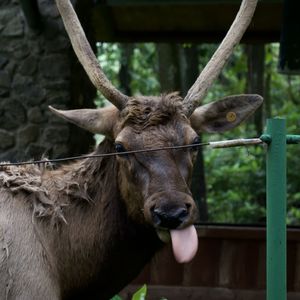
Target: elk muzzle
170,219
173,214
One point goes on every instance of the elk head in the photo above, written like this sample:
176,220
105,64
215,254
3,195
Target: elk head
155,185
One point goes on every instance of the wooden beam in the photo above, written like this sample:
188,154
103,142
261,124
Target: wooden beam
181,23
178,2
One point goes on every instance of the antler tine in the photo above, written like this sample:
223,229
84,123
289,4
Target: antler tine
211,71
86,56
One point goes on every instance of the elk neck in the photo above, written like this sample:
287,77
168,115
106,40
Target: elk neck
98,230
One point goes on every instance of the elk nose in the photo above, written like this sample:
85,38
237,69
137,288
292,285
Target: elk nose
169,219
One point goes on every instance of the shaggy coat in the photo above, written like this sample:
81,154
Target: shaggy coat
75,236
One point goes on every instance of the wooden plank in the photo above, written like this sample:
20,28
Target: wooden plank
203,270
164,269
261,263
245,266
200,293
178,2
227,262
241,232
133,23
291,265
232,232
297,270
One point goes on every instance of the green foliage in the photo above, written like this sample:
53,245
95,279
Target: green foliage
116,297
140,294
236,185
144,70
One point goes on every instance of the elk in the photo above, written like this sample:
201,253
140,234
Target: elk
85,229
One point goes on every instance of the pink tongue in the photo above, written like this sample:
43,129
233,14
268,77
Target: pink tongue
185,243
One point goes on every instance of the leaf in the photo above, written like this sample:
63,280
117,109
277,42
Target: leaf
116,297
140,294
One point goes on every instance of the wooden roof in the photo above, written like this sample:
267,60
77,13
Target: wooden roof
181,20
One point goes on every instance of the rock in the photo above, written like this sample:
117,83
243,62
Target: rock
35,115
5,80
33,95
55,135
57,98
58,44
27,135
60,150
35,151
21,83
4,3
11,155
7,140
13,114
37,46
10,68
52,28
55,66
57,84
8,13
15,27
29,66
48,9
16,47
3,62
4,92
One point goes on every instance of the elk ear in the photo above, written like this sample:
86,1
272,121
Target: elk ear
100,120
224,114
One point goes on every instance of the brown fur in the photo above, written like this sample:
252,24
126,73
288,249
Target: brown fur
83,223
143,112
86,229
82,230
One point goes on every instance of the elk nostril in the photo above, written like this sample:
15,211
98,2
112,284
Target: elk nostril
156,215
182,214
169,219
188,206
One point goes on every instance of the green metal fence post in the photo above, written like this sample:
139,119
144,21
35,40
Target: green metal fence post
276,210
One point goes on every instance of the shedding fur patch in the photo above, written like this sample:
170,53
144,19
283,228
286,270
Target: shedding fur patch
50,191
28,181
25,178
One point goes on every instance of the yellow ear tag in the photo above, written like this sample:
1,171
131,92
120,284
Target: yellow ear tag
231,116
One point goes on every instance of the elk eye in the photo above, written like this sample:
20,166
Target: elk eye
196,141
120,148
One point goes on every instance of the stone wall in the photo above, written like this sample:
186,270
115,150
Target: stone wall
37,69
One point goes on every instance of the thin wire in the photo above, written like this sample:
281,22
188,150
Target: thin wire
89,156
214,145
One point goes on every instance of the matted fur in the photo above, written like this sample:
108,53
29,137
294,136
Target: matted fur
49,191
98,232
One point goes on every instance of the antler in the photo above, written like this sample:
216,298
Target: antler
86,55
211,71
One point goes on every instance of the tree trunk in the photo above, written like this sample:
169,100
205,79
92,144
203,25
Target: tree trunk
124,73
168,67
189,72
255,84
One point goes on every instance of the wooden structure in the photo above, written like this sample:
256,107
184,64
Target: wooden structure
170,20
230,264
181,20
